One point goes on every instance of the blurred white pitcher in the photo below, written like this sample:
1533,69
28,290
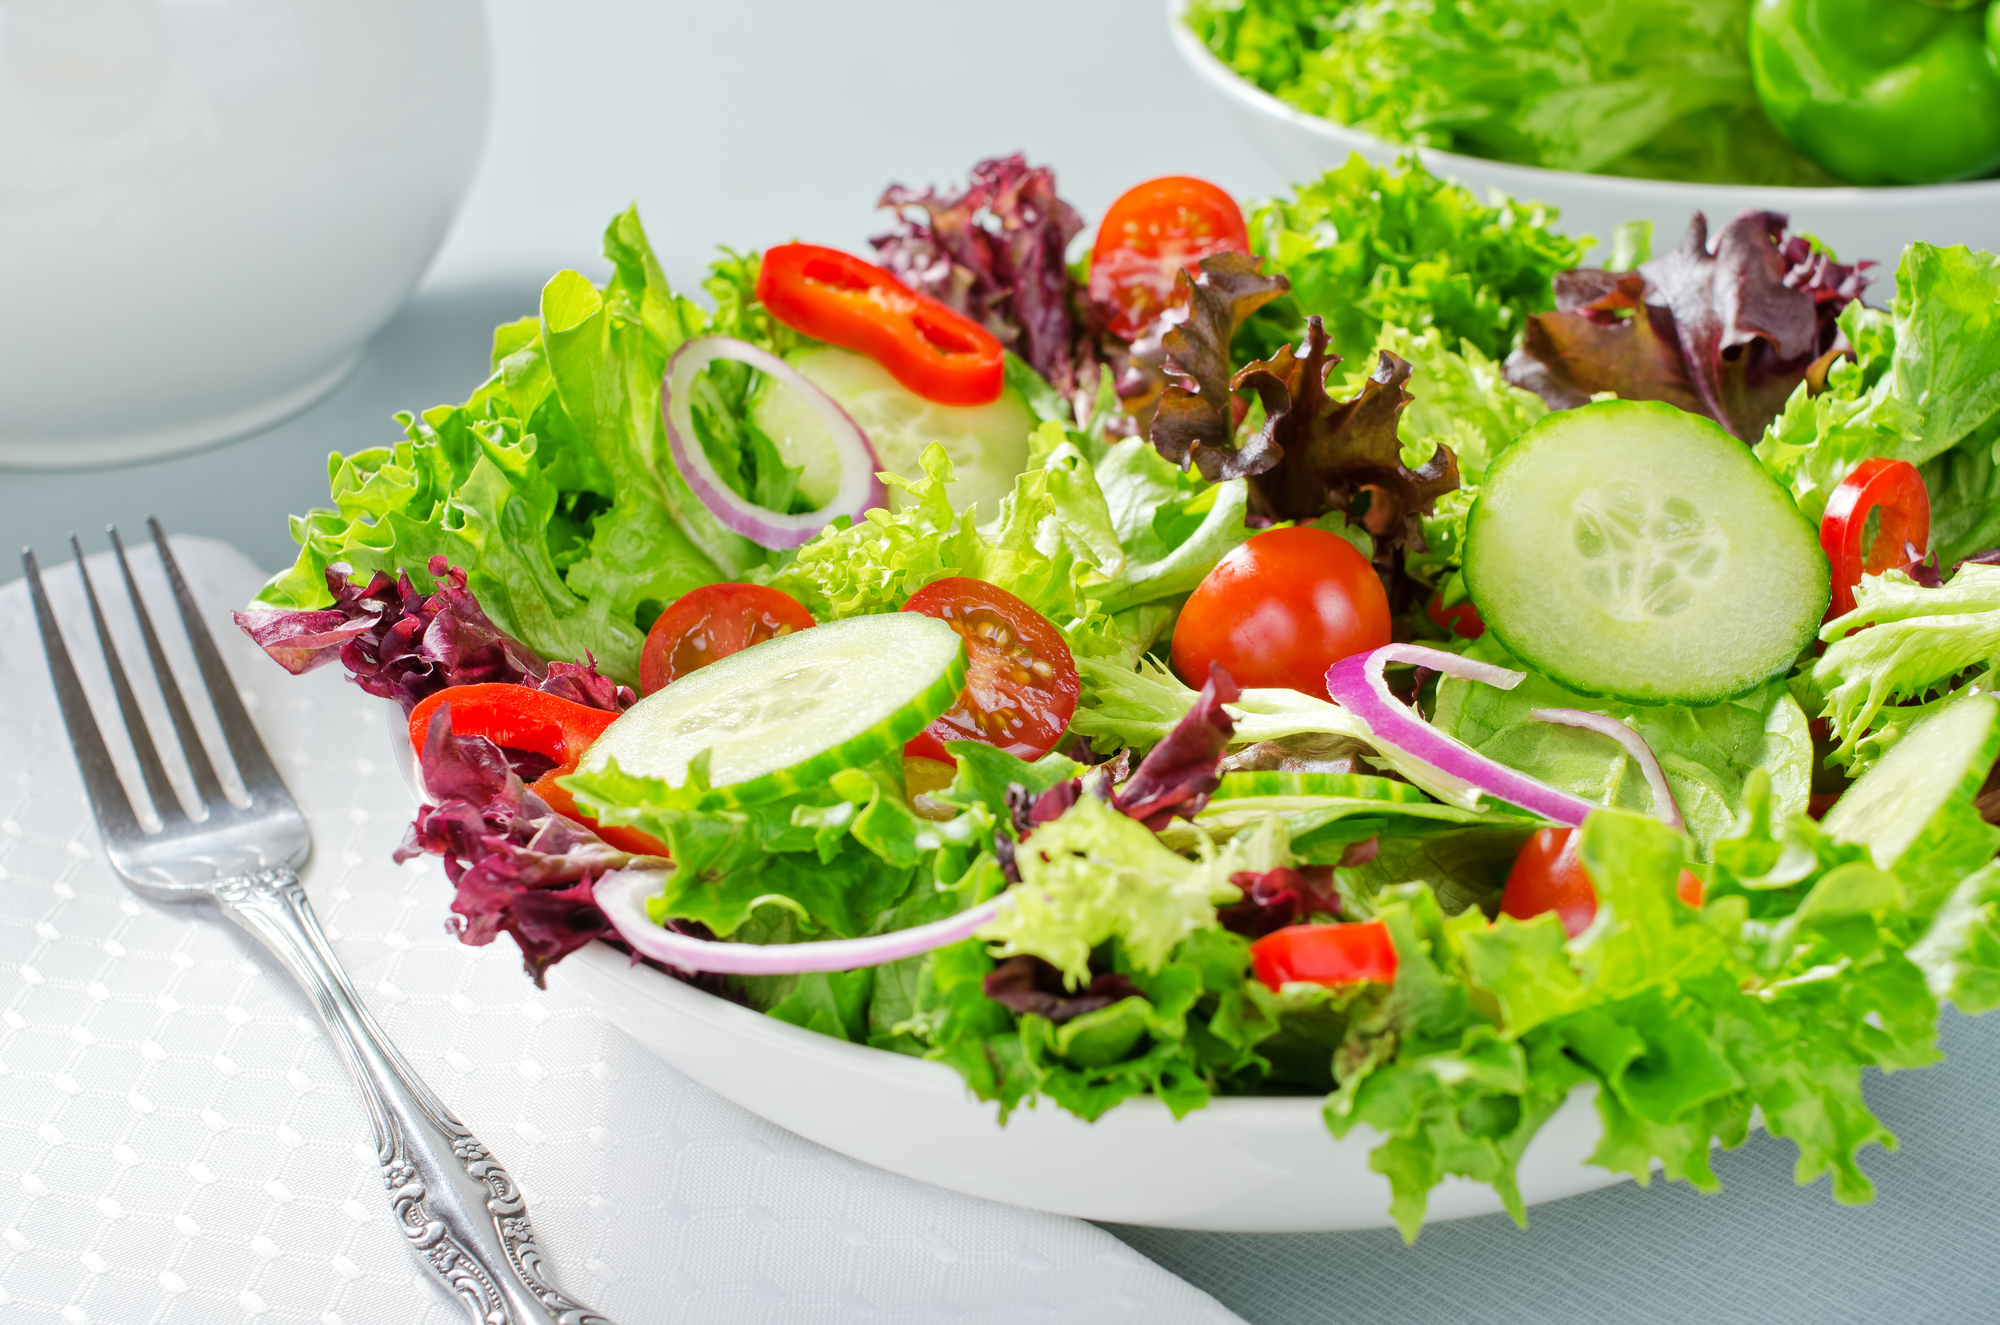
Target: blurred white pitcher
207,207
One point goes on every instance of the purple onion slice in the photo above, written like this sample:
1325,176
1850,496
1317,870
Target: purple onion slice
1635,745
622,894
860,490
1355,683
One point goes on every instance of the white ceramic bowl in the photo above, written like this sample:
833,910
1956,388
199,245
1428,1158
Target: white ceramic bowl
207,208
1240,1165
1855,222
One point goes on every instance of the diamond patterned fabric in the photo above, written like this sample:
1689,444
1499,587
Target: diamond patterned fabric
179,1143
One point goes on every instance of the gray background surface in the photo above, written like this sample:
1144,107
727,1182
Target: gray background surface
752,126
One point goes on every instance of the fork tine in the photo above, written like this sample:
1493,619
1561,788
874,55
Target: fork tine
207,785
165,803
100,776
253,761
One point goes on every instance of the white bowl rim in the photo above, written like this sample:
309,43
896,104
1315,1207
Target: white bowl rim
1521,183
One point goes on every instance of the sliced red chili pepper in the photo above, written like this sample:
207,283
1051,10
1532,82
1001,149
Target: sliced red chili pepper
516,717
928,346
1325,954
1893,492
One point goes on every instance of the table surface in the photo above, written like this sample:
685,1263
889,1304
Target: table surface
749,134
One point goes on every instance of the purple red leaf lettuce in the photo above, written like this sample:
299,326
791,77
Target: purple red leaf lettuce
1327,453
1178,775
518,866
994,251
404,645
1027,984
1277,898
1727,330
1195,422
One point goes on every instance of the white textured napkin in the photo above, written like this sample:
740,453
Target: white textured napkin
179,1143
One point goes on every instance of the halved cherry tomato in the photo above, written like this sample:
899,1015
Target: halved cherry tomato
1460,619
1158,228
1020,680
1281,609
1325,954
1548,875
930,347
713,622
1891,490
517,717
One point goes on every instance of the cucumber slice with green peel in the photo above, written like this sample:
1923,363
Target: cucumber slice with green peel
1631,549
789,713
988,444
1914,808
1266,782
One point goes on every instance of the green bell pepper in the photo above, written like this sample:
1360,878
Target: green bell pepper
1883,91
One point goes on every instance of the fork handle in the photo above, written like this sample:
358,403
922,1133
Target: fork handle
465,1218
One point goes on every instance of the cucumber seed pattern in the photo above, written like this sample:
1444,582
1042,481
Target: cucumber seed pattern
1646,554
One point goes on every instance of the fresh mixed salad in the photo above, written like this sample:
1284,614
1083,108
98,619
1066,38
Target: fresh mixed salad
1791,92
1351,649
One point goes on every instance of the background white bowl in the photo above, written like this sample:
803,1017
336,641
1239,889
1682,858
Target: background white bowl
207,209
1240,1165
1855,222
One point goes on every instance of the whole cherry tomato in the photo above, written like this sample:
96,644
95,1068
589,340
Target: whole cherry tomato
713,622
1281,609
928,346
1893,492
1460,619
1548,875
1158,228
1020,679
1325,954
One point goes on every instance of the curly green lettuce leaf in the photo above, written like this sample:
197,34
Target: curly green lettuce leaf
1918,644
1095,874
1366,245
1922,388
552,485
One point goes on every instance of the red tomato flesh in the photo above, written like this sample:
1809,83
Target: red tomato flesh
1020,683
1325,954
1156,229
516,717
1279,610
1548,875
1460,619
930,347
713,622
1894,493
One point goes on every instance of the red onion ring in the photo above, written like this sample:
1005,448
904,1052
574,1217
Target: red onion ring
1355,683
860,490
621,896
1635,745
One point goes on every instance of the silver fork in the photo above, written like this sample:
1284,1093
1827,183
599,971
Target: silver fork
464,1216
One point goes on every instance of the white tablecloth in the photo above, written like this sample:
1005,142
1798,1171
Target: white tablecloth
179,1143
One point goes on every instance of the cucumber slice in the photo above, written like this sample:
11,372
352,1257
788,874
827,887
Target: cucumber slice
1266,782
1914,809
1631,549
789,713
988,444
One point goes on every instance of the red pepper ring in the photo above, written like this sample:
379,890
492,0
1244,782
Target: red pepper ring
1894,490
516,717
1339,954
928,346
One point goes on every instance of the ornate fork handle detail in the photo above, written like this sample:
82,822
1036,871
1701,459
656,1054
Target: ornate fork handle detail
459,1207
